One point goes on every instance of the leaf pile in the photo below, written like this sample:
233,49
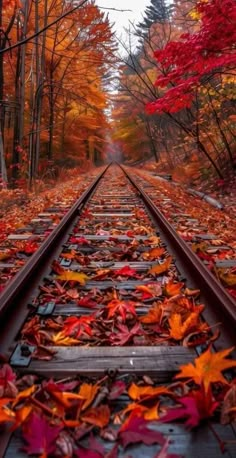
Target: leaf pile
17,220
75,416
192,219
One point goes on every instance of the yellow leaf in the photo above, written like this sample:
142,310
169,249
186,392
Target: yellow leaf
61,339
69,275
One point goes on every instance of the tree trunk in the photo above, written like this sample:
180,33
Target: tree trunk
51,120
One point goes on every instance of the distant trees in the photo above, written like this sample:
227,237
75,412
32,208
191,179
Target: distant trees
156,12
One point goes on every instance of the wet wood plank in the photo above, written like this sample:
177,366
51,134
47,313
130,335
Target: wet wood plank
162,361
196,444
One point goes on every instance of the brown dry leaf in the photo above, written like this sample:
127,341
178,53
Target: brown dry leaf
154,240
191,292
229,406
160,268
5,255
201,246
226,277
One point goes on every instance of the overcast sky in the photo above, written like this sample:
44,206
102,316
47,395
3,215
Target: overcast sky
121,19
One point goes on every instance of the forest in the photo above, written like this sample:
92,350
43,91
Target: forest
71,95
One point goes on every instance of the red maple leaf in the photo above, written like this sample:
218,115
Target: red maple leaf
135,430
121,308
6,375
39,435
87,301
196,406
75,327
126,271
125,334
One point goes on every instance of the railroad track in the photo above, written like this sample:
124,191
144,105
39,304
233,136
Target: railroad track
79,312
209,233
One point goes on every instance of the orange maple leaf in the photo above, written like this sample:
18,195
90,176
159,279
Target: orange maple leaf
160,268
208,367
136,392
179,328
98,416
6,414
173,289
154,253
88,393
154,315
148,413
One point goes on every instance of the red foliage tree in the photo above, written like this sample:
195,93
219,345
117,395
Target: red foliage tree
197,57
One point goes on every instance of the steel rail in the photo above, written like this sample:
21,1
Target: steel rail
21,279
212,288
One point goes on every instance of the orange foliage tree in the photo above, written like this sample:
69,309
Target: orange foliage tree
55,83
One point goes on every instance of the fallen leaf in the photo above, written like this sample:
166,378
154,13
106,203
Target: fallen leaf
70,275
21,416
75,326
87,392
97,416
154,253
179,328
208,368
160,268
228,406
137,392
135,430
61,339
125,334
6,414
126,271
121,308
24,394
172,288
116,390
153,316
150,290
39,435
196,406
